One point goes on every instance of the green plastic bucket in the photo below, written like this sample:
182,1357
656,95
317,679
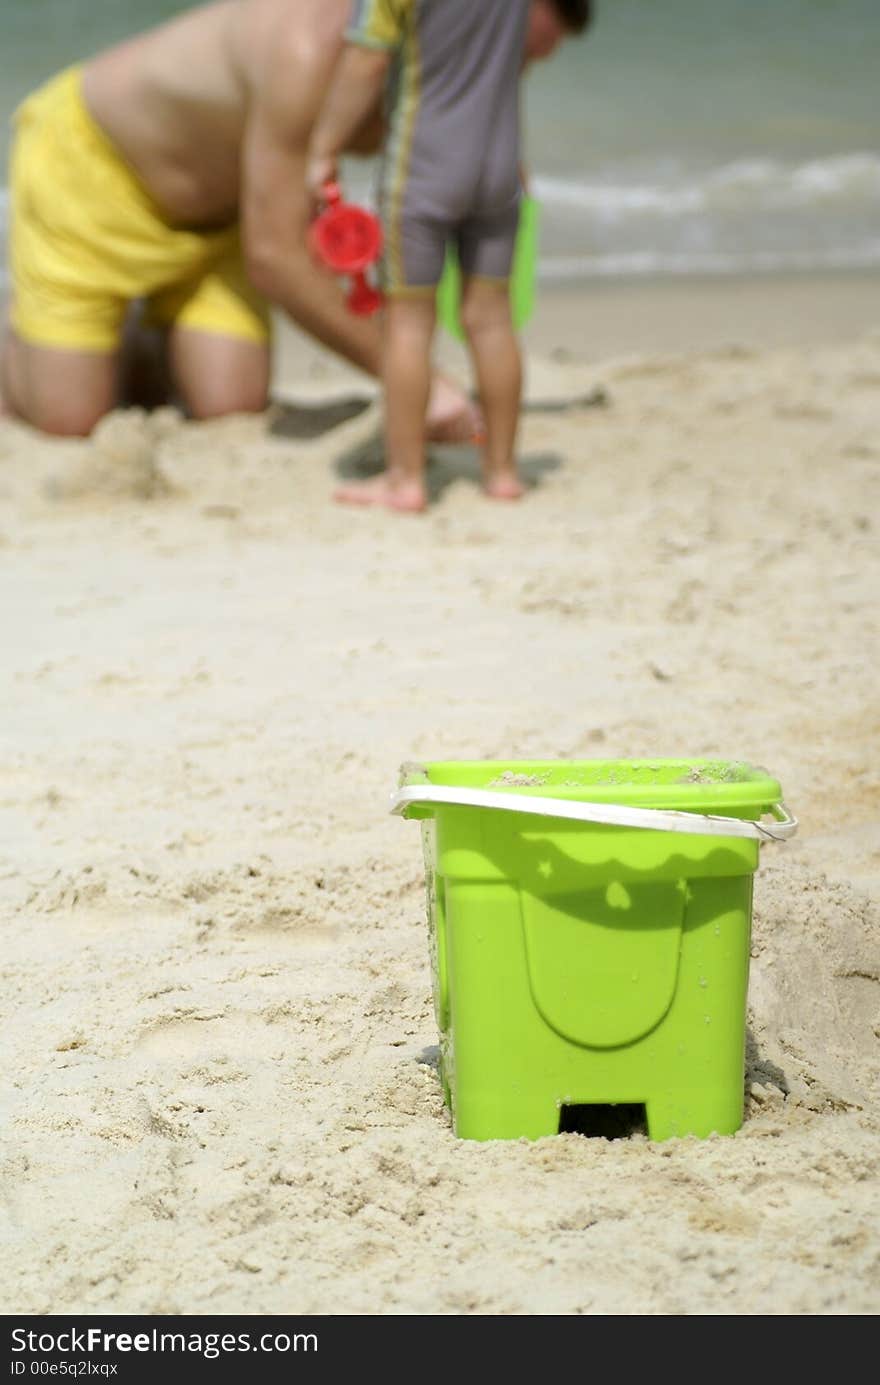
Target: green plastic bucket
522,277
589,925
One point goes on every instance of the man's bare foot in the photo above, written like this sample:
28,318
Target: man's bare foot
409,497
504,485
453,417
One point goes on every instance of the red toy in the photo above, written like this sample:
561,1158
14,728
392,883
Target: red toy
348,239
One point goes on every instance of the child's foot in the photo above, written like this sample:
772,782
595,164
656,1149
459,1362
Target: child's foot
409,497
505,485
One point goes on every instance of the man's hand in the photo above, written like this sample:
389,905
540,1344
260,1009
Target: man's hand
320,170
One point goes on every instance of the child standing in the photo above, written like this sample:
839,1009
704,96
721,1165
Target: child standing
450,171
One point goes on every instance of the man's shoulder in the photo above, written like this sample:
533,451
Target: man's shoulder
289,42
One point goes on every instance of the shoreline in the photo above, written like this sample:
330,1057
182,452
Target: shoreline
598,318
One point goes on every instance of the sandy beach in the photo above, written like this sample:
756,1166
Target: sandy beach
219,1055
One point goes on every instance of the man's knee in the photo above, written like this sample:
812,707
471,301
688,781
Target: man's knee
61,415
205,402
218,375
61,393
64,417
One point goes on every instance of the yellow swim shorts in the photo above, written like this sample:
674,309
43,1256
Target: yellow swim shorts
86,239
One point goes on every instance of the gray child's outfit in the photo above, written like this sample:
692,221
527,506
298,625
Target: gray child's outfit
451,164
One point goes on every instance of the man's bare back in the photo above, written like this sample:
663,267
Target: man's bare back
212,113
176,100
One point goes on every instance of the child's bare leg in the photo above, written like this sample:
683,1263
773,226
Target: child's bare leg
409,330
486,318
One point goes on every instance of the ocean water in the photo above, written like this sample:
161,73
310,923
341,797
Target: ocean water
675,137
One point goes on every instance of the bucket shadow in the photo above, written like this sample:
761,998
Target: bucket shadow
446,464
761,1069
430,1057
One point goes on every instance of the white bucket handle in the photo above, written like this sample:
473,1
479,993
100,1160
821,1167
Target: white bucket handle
611,814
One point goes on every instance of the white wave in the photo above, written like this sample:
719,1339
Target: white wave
715,225
747,185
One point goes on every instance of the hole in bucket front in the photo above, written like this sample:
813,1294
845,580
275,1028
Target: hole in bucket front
616,1121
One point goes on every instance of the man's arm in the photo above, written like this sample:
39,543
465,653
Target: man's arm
276,208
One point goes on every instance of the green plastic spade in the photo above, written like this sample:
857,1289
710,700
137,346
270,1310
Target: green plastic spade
522,279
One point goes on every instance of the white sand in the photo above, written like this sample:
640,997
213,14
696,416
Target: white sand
219,1090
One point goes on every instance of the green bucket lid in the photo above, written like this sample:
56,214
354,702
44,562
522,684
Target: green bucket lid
702,796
